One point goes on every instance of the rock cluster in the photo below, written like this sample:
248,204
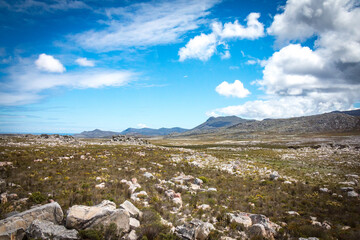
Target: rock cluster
131,140
45,222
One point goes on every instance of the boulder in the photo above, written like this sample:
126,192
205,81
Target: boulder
271,228
241,218
274,175
133,211
257,231
203,231
148,175
131,236
103,214
352,194
14,227
195,229
134,223
40,229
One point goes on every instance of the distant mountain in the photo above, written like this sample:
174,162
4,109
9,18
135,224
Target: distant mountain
214,124
219,122
323,123
355,112
153,132
97,133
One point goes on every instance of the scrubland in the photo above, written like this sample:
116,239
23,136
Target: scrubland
306,185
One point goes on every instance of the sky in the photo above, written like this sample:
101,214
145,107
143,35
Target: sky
68,66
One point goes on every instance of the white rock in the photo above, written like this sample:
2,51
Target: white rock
100,186
148,175
352,194
133,211
293,213
134,223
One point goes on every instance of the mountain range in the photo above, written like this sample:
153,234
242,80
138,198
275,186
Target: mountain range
232,126
150,132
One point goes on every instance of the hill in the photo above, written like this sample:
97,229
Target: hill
323,123
153,132
97,133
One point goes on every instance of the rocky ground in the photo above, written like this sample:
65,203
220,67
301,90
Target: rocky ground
58,187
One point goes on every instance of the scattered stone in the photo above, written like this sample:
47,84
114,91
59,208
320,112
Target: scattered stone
195,229
293,213
326,225
134,223
100,186
14,227
344,228
198,181
274,175
241,218
257,231
212,190
85,217
287,182
132,235
130,140
182,179
352,194
133,211
41,229
350,183
204,207
324,190
148,175
352,176
347,189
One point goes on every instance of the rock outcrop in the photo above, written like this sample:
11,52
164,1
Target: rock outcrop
195,229
41,229
14,227
85,217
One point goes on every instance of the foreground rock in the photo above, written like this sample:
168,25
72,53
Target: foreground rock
195,229
103,214
14,227
48,230
134,211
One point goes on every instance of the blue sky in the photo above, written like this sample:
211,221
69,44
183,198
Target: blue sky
69,66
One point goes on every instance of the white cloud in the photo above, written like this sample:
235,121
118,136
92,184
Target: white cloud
301,80
142,125
332,21
146,24
200,47
253,30
85,62
38,7
235,89
48,63
225,55
25,84
204,46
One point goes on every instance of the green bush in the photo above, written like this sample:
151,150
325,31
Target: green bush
204,179
90,234
37,197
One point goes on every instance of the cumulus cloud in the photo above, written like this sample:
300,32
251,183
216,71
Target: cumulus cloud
85,62
48,63
25,84
204,46
235,89
300,80
146,24
200,47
